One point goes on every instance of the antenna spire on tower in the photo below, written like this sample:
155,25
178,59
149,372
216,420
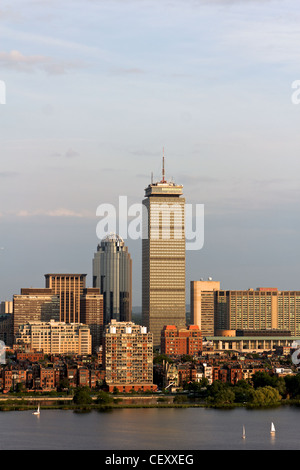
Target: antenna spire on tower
163,167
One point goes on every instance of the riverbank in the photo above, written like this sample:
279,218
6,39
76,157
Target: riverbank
66,403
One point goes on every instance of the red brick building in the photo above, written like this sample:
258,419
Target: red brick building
178,342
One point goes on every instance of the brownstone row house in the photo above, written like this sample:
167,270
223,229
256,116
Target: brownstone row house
39,378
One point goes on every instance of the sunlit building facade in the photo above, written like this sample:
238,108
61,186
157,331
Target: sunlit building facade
55,337
128,357
260,309
69,287
203,305
34,304
163,258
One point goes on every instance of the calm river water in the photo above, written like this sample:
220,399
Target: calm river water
151,429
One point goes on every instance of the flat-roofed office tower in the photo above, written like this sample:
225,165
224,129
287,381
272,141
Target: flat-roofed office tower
163,257
112,274
203,295
69,287
91,314
34,305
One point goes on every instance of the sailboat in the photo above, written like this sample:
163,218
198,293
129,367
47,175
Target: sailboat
272,429
244,433
37,412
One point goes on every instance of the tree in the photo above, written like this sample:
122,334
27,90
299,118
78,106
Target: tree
292,383
266,396
180,399
104,398
82,396
186,358
262,379
220,393
159,358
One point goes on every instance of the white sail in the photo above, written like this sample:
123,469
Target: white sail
37,412
272,428
244,432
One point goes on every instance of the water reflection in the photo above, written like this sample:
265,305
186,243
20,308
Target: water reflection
151,429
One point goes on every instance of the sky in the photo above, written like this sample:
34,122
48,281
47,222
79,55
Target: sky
97,90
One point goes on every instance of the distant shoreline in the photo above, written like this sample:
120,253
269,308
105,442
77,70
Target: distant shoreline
66,403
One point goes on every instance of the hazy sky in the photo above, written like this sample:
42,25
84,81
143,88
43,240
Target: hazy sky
95,89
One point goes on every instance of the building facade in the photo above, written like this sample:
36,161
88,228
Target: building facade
69,287
184,341
203,305
34,305
112,274
91,312
55,337
260,309
128,357
163,258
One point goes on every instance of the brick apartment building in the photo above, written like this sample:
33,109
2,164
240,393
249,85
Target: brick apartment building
181,341
128,357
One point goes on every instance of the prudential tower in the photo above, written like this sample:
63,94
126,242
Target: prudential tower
163,257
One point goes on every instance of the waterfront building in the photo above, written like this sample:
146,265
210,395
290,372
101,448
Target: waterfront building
34,305
128,357
112,274
69,287
54,337
181,341
203,305
163,257
91,312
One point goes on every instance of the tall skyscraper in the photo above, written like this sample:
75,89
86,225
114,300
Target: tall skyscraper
69,287
163,257
112,274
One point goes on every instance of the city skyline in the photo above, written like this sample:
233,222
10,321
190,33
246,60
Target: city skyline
94,92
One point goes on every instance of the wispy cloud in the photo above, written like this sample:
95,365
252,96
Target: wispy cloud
31,63
70,153
127,71
61,212
8,174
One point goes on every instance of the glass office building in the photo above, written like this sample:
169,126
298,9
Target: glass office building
112,274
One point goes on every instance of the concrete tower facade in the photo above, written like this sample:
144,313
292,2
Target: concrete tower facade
163,258
112,274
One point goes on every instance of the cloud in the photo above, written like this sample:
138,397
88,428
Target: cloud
31,63
70,153
61,212
8,174
127,71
